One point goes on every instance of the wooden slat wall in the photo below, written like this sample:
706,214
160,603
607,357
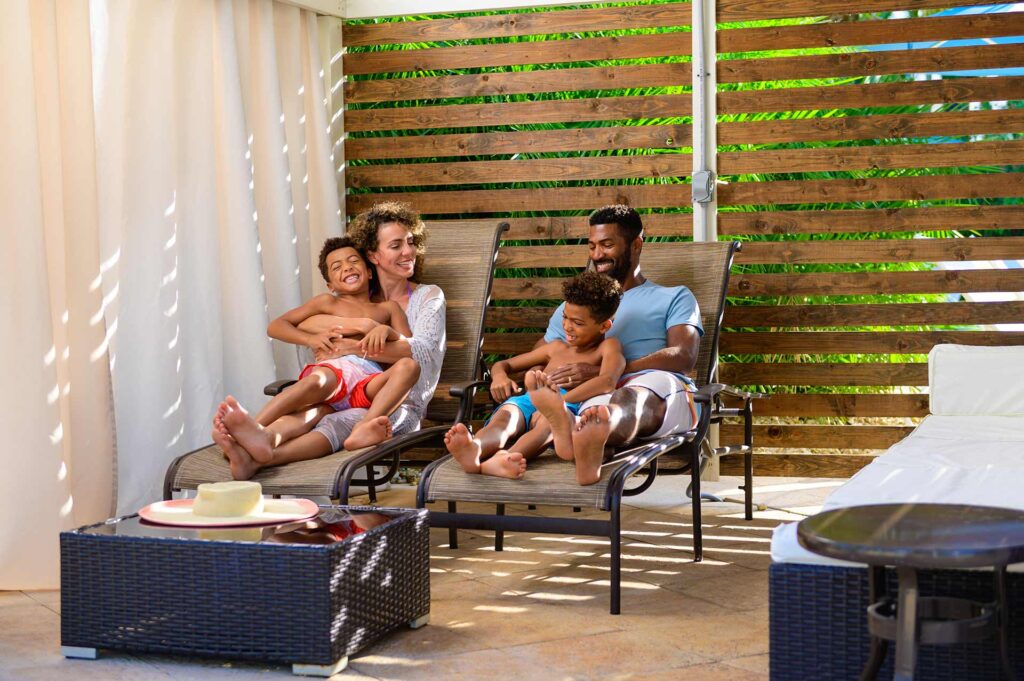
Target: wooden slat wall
836,161
457,114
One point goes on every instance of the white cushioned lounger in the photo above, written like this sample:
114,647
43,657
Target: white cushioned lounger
969,450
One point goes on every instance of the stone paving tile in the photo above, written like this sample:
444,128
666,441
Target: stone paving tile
48,599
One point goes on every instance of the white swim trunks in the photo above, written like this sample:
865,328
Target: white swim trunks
680,409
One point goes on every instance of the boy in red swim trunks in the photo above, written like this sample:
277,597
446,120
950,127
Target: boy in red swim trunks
335,384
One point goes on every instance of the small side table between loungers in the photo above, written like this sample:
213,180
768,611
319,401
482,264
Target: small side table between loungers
923,536
308,594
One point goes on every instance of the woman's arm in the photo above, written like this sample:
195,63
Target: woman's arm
612,366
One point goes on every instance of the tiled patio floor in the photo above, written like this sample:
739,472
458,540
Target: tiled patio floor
538,610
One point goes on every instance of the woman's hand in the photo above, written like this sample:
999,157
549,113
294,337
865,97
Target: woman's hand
570,376
374,340
502,387
322,342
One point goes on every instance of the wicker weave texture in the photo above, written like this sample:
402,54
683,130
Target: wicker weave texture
266,602
819,625
303,478
548,480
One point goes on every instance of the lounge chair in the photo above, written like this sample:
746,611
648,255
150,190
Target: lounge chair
704,268
461,261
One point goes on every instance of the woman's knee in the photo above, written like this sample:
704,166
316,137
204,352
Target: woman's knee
407,366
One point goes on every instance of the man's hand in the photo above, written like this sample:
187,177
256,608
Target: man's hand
502,388
374,340
570,376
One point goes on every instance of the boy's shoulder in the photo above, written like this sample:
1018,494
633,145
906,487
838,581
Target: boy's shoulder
611,343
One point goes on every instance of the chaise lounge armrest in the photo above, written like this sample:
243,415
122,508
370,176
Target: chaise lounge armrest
277,387
466,392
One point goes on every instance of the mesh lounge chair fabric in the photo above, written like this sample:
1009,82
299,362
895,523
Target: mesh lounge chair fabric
461,261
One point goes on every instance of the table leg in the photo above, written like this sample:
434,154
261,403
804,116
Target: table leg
1003,623
879,646
906,625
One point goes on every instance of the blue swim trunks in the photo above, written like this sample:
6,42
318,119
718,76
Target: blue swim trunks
523,404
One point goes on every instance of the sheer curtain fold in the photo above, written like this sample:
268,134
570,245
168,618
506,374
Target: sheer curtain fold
150,232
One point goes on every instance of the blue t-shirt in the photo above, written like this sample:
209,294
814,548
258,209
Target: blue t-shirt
643,319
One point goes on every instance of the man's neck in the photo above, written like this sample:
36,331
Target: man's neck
632,280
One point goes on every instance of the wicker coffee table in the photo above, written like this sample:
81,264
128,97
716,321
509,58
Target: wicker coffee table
307,594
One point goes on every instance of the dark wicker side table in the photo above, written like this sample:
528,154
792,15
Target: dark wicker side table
307,594
922,536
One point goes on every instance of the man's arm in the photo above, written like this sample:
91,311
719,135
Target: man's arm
679,354
612,366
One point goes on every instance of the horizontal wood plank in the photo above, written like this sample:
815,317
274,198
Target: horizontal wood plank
521,82
805,252
849,64
873,189
872,220
798,465
883,314
814,373
748,10
1001,153
813,437
817,284
513,54
525,142
577,226
841,405
516,24
526,170
881,31
509,200
870,283
517,113
852,342
879,126
823,98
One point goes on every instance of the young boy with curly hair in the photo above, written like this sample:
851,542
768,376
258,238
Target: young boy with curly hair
590,303
329,385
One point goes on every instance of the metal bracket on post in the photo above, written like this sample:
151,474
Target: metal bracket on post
703,186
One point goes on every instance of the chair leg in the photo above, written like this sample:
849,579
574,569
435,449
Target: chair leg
698,538
531,507
748,460
499,535
615,538
370,487
453,532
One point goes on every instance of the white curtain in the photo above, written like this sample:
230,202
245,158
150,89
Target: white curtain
166,183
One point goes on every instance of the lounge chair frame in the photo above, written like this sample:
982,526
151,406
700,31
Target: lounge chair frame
334,475
627,462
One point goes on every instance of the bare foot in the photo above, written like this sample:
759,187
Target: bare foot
242,465
250,436
466,450
549,402
504,464
368,433
588,441
218,422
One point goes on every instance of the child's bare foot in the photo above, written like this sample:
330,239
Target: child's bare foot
242,465
250,436
368,433
588,441
218,422
460,443
549,402
504,464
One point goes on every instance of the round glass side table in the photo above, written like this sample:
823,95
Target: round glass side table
910,537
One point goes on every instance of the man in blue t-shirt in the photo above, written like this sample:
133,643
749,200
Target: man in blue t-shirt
660,330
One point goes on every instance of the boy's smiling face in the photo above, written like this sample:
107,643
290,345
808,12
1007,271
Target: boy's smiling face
581,329
347,271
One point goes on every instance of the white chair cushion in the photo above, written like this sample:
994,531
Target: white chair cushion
969,379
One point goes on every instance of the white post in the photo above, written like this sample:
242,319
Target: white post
705,145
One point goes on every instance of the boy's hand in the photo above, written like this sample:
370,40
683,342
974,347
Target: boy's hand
322,342
502,388
374,340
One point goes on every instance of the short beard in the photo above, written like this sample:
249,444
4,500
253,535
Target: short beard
619,271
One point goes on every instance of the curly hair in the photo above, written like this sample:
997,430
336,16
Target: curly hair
333,244
628,220
596,292
365,229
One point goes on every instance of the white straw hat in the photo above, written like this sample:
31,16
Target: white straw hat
225,504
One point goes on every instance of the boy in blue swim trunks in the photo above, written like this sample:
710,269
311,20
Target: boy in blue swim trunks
591,300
